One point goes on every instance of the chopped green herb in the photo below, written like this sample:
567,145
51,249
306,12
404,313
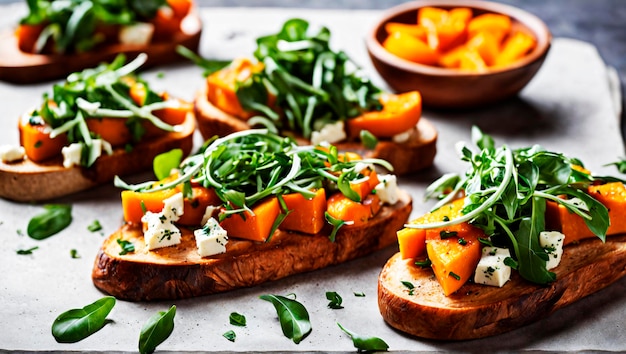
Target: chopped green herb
408,285
462,241
74,254
444,234
359,294
335,300
27,251
237,319
454,275
127,246
19,232
230,335
94,226
424,264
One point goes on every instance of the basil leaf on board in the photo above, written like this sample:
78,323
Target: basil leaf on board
55,218
164,163
365,344
335,300
156,330
77,324
94,226
237,319
293,317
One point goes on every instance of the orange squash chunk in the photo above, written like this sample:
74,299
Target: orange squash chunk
255,227
222,86
497,25
611,195
410,48
36,140
416,31
400,113
307,215
454,253
341,207
134,203
515,47
195,207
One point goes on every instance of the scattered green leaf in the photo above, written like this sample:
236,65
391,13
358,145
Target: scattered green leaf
77,324
368,139
55,218
359,294
230,335
27,251
74,254
237,319
293,317
335,300
365,344
156,330
94,226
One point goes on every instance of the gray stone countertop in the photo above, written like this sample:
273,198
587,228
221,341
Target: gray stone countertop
567,107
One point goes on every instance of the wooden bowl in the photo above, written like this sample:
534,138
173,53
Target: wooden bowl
454,88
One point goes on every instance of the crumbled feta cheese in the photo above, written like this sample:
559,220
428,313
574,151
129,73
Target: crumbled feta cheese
72,154
11,153
173,207
211,239
330,133
402,137
387,189
491,269
208,213
552,243
136,34
159,231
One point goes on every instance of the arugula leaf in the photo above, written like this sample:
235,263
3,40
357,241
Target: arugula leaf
335,300
55,218
77,324
209,66
365,344
237,319
156,330
293,317
368,139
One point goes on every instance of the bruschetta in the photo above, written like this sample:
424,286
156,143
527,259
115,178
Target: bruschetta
521,234
99,123
57,38
297,85
252,207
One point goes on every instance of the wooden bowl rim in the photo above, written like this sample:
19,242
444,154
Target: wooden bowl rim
530,21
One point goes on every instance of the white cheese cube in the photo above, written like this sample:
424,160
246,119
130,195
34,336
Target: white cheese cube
208,213
173,207
72,154
136,34
552,243
491,269
330,133
402,137
387,189
11,153
159,231
211,239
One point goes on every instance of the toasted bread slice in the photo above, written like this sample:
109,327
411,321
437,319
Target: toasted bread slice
28,181
179,272
417,153
24,68
476,311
